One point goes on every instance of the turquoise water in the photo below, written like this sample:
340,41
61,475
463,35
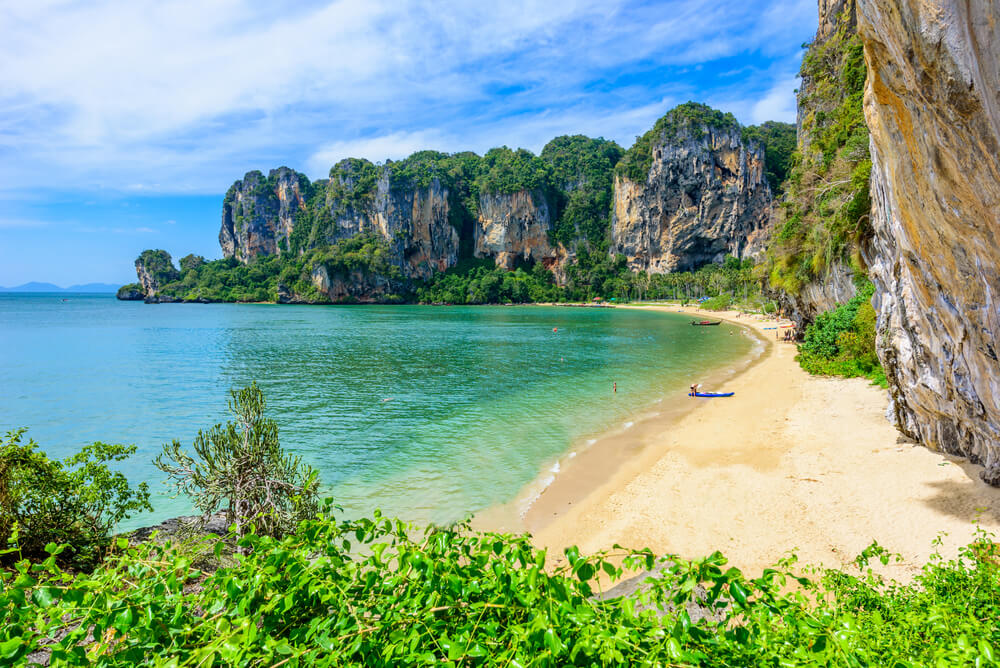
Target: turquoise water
430,413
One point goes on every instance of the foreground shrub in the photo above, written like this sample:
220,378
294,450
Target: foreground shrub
241,470
373,592
77,501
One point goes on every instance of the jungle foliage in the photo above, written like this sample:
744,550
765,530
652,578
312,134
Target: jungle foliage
825,215
267,277
691,118
778,140
841,342
376,592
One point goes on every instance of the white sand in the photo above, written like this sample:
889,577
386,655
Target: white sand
791,461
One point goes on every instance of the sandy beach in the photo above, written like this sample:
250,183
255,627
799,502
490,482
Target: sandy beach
791,461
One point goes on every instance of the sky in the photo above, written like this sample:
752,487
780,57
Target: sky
122,123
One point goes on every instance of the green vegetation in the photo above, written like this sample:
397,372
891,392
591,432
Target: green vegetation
778,140
159,265
76,502
377,592
690,118
374,592
268,276
481,282
841,342
595,274
241,470
825,216
128,290
583,168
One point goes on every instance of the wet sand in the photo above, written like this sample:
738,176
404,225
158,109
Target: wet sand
791,461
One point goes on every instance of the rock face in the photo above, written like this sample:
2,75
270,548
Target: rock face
259,217
705,197
415,222
155,268
258,214
933,109
834,288
514,226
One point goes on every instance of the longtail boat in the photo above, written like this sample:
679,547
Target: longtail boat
705,323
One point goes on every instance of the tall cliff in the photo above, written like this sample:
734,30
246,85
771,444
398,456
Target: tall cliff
258,214
690,192
933,107
693,190
286,213
822,223
515,226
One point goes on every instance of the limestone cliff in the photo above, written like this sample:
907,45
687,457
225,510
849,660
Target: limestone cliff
359,198
836,286
258,214
703,196
933,108
823,221
514,226
154,269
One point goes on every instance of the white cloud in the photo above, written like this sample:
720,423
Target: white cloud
185,95
778,104
393,146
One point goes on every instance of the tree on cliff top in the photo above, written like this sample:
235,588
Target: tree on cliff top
241,469
691,117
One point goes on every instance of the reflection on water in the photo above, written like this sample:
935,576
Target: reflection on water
428,412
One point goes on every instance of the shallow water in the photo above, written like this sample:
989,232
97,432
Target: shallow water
430,413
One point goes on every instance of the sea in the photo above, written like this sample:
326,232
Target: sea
429,413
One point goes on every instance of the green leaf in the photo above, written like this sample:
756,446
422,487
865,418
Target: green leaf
45,596
552,641
986,650
12,648
738,592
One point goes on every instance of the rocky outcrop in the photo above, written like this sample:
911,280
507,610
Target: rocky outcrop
835,287
933,109
415,222
258,214
514,226
132,292
155,268
704,197
351,286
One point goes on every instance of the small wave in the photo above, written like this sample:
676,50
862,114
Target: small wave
628,425
591,441
530,501
572,454
555,468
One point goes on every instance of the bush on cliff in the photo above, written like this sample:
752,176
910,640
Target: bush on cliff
76,501
824,217
241,470
690,117
841,342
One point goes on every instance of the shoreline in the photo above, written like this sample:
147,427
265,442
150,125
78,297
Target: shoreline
791,462
591,460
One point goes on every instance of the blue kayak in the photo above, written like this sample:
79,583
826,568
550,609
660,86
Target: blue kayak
711,394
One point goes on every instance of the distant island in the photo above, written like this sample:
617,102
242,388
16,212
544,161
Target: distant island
35,286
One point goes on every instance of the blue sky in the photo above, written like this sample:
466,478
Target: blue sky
123,123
